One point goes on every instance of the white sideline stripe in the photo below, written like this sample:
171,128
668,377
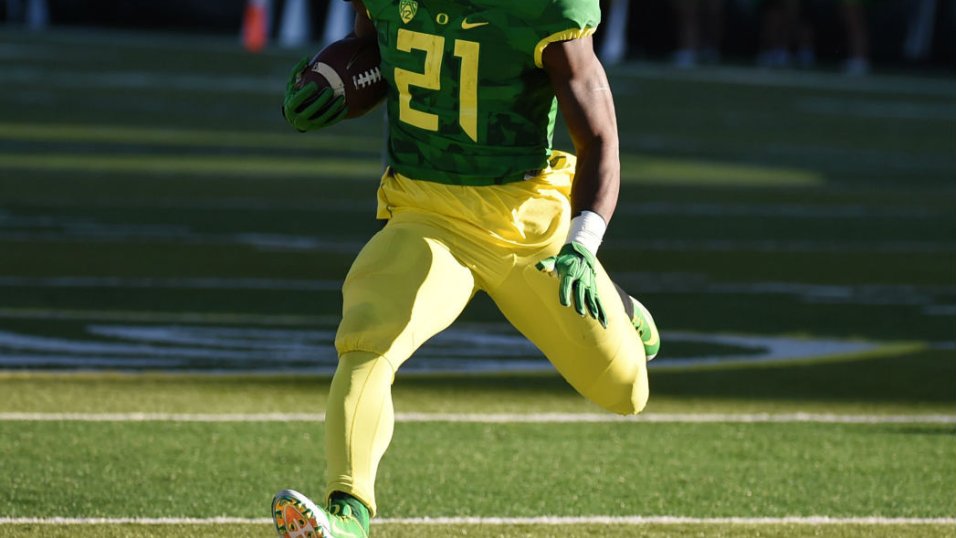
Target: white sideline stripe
544,520
494,418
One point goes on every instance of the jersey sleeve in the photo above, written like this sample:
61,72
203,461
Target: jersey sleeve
564,20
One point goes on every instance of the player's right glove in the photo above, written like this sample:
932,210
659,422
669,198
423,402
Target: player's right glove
305,115
574,266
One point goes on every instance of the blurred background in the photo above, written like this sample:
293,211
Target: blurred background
788,170
851,34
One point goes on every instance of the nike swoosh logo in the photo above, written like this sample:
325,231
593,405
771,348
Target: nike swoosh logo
465,25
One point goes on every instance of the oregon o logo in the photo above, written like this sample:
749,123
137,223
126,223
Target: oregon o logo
441,18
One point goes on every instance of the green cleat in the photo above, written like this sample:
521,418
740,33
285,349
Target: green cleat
296,516
646,328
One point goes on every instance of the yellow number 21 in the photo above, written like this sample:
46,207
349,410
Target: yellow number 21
434,46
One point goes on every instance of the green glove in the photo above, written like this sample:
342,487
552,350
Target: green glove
325,110
575,265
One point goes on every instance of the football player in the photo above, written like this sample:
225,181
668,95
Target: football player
475,198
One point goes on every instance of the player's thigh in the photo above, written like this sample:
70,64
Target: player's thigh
404,287
606,365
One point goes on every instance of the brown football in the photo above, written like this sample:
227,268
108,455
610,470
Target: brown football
351,68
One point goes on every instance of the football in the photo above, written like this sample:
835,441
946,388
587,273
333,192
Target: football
351,68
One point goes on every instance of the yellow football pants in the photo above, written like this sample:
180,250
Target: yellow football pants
442,244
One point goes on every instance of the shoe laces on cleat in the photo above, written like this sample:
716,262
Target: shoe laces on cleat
340,510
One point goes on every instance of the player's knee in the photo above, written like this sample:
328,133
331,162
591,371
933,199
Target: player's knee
620,388
632,397
627,394
641,395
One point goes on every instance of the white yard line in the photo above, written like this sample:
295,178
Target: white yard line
496,418
543,520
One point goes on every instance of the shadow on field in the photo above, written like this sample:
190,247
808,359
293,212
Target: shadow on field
928,376
923,377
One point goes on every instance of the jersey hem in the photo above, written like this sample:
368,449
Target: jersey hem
419,174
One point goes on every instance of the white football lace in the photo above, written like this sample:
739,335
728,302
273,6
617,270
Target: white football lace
367,78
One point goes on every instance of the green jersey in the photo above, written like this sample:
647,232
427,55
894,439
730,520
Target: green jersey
468,100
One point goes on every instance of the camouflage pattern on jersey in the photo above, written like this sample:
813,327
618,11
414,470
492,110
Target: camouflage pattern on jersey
468,102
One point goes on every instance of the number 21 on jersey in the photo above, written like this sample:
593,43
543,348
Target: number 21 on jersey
434,48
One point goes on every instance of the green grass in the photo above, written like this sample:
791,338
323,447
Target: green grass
520,531
218,166
678,172
800,210
918,382
703,470
183,139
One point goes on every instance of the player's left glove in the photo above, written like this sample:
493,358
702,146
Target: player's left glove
326,109
574,266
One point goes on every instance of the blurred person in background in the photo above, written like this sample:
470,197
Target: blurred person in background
787,37
614,36
786,34
700,30
857,36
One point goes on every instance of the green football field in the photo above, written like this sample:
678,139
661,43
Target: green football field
171,256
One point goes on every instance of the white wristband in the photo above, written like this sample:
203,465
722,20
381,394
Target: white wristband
588,229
